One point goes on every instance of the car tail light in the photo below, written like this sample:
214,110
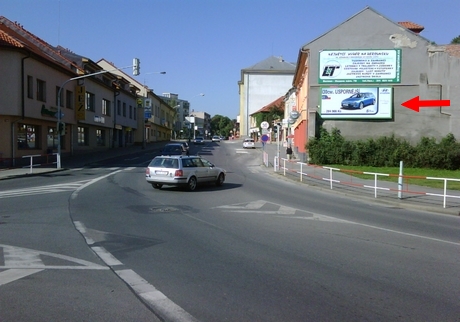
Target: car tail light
147,171
178,173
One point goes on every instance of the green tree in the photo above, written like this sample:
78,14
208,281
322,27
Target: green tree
221,125
456,40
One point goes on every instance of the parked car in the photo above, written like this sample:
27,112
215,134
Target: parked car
186,171
248,144
359,100
186,146
198,140
173,149
216,138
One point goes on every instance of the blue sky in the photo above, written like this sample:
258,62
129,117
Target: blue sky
203,44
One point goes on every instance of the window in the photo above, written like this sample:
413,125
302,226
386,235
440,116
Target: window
130,112
82,136
135,112
124,109
90,102
61,98
41,90
27,136
30,87
100,137
51,138
105,107
69,99
118,107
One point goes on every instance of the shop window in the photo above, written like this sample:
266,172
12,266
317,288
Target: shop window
82,136
51,138
28,136
100,137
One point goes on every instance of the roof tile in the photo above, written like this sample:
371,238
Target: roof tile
412,26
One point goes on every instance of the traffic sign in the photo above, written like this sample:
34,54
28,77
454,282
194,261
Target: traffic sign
264,138
264,125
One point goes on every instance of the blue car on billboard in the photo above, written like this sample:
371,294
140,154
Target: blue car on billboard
359,100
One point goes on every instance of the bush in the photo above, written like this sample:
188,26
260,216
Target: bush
332,148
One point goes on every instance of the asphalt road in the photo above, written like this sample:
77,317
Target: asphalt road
257,249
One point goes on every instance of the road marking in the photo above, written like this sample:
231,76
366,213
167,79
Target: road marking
20,262
161,304
107,257
12,275
75,193
256,207
42,189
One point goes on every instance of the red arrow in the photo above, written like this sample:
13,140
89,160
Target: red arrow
415,103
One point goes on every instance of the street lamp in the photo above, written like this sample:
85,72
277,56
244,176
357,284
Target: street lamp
145,85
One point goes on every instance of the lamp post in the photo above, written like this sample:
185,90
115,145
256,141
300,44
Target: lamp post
145,84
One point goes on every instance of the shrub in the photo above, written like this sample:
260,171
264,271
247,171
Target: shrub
332,148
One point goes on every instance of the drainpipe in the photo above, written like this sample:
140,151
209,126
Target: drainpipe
23,108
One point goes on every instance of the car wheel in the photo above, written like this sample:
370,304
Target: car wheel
157,185
220,179
191,184
361,105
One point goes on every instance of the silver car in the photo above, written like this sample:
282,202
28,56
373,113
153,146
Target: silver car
186,171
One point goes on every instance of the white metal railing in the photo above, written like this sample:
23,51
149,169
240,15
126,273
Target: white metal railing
302,172
32,165
444,195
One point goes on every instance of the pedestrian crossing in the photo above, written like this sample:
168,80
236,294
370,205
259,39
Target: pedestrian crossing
62,187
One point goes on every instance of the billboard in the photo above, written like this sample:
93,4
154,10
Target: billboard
356,102
359,66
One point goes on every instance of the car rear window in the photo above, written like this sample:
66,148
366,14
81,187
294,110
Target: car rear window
164,163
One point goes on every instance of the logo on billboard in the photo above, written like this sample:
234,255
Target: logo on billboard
332,69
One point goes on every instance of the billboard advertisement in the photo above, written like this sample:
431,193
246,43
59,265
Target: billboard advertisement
359,66
356,103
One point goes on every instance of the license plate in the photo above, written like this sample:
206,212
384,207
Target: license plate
161,172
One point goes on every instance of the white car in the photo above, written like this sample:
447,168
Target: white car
186,171
248,144
216,138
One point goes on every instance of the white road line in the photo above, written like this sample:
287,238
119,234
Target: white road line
21,262
163,306
12,275
33,253
42,189
75,193
107,257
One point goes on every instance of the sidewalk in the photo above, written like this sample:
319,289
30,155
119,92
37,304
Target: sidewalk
409,195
